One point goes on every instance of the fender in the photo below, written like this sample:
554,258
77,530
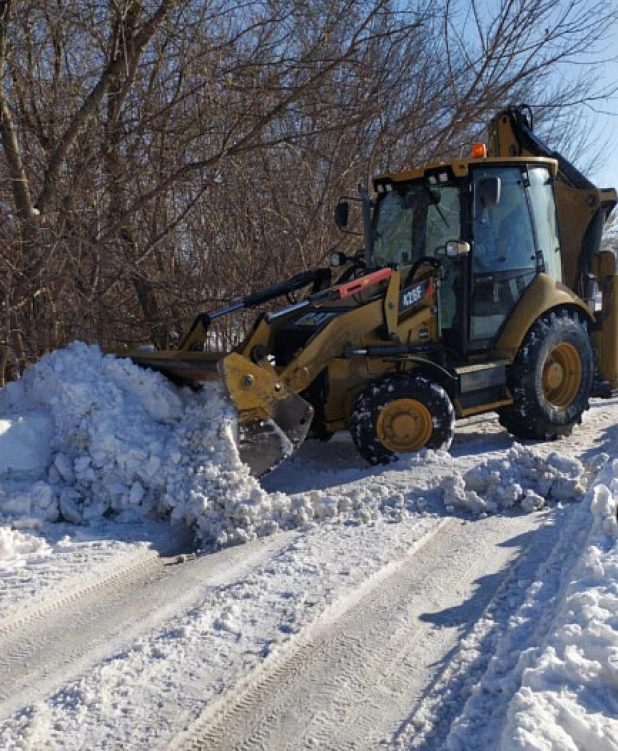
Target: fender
543,294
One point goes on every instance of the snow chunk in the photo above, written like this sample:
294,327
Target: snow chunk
24,444
15,544
604,509
118,441
522,477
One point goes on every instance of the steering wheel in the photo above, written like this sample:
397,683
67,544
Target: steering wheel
422,261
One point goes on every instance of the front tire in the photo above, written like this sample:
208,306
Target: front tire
550,379
401,414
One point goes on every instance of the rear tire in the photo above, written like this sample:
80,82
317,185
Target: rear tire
550,379
401,414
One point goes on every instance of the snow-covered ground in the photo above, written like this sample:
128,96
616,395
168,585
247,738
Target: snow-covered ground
107,475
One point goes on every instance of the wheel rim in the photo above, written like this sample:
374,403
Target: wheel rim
404,425
562,375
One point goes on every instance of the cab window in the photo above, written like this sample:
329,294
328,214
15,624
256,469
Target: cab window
414,221
544,210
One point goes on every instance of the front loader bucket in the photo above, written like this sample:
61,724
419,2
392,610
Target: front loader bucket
273,421
179,366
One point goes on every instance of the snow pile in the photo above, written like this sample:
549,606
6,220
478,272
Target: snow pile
568,698
522,477
116,441
87,436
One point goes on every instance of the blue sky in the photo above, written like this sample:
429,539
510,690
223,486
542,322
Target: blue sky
605,121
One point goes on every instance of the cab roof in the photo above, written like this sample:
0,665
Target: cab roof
461,168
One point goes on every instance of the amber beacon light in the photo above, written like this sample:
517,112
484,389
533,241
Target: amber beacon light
479,151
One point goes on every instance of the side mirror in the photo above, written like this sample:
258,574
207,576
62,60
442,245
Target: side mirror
489,189
456,248
342,211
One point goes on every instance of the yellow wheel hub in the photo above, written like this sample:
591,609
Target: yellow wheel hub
404,425
562,375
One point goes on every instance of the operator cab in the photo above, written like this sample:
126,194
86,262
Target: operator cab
492,225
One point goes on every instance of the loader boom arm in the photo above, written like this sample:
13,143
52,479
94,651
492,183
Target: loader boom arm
199,328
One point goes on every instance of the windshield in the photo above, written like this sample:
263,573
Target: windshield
413,221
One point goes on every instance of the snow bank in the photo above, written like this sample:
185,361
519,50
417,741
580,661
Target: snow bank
569,696
89,437
103,438
523,477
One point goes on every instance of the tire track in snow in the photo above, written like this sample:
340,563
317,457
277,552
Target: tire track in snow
351,680
76,587
48,646
472,695
430,721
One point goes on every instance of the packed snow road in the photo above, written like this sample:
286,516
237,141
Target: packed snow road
368,666
448,601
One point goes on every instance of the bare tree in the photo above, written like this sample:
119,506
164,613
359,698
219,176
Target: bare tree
165,155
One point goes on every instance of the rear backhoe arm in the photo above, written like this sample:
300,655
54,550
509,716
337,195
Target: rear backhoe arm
582,207
510,134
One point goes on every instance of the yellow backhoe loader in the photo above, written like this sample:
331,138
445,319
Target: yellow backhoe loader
482,286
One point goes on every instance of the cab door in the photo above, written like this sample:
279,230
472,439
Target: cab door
504,259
